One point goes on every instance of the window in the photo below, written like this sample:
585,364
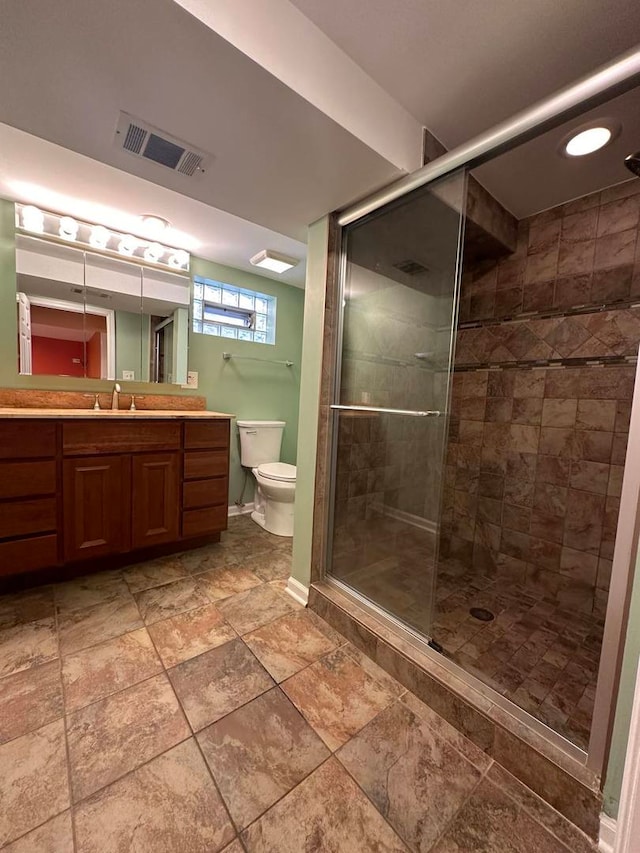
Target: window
233,312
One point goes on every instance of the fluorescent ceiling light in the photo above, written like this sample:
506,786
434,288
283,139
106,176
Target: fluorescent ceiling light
588,141
273,261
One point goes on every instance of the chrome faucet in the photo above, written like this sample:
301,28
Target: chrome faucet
115,400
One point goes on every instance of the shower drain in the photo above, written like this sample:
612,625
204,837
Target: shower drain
482,614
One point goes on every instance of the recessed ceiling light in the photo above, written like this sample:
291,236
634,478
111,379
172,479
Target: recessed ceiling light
273,261
588,141
154,226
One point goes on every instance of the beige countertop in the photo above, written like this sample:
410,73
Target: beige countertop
93,414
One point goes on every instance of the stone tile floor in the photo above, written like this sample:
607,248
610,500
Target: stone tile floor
536,651
189,704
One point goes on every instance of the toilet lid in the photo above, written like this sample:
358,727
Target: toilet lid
278,471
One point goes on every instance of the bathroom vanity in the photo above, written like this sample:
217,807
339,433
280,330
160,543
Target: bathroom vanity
78,485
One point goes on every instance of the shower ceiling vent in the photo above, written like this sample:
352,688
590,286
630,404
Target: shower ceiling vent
143,140
410,267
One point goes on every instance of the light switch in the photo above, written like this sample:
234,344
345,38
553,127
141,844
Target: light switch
192,379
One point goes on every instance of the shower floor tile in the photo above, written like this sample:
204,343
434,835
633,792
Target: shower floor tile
117,698
535,652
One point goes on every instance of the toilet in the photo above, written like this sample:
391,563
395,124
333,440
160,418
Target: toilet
260,444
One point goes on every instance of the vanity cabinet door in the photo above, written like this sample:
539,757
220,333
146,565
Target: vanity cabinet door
95,506
156,499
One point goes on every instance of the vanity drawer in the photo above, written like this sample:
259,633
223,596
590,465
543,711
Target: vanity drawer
205,493
27,555
27,439
206,434
87,437
21,518
21,479
197,522
199,464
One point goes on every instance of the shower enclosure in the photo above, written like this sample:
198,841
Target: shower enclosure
401,273
483,376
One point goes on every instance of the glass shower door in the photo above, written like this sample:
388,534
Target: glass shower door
400,276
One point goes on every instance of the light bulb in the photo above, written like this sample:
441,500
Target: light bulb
33,218
127,245
153,252
179,259
99,237
588,141
68,228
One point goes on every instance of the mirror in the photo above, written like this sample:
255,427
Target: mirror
165,315
81,314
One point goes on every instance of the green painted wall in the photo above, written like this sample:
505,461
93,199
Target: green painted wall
252,389
132,345
246,389
317,245
8,311
617,756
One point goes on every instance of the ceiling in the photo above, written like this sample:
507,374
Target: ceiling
537,175
462,67
67,70
39,172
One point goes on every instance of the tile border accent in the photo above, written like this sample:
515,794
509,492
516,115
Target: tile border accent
574,792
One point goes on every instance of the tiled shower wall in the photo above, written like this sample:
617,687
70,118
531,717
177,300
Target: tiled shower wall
397,337
384,463
543,382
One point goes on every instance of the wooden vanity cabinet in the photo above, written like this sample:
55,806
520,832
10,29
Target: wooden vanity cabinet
155,498
29,518
73,489
95,504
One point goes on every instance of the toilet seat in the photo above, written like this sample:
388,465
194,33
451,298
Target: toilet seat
280,471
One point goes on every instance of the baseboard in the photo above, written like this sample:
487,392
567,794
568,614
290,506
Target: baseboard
607,834
298,591
408,518
240,510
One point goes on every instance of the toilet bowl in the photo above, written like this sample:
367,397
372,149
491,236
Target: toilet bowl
276,491
260,444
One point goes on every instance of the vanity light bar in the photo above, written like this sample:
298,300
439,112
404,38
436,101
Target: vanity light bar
52,226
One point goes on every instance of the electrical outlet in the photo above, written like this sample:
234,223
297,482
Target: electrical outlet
129,375
192,379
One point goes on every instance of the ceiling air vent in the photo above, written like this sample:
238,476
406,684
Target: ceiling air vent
411,267
142,140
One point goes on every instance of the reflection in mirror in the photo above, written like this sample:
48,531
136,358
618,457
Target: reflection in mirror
59,334
165,315
83,314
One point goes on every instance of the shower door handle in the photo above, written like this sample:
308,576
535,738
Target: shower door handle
408,412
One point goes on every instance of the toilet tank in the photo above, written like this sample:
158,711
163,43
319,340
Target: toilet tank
260,442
